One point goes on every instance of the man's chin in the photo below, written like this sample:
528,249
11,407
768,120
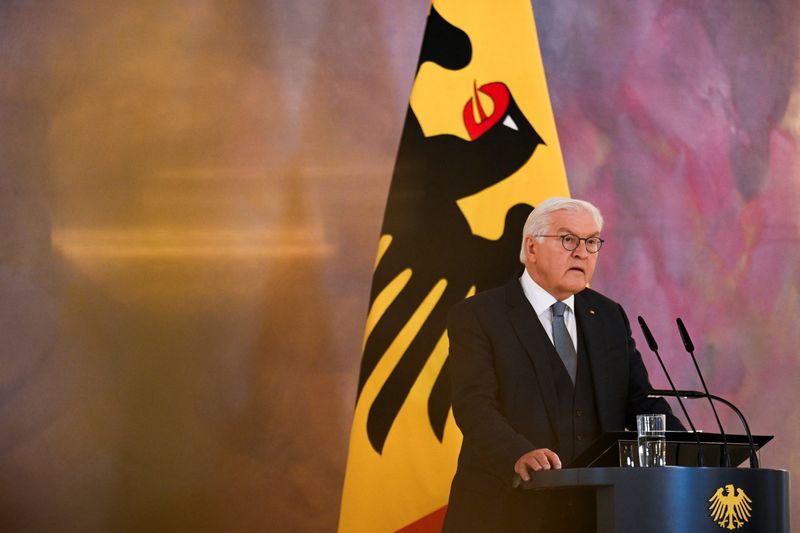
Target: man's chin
574,275
576,283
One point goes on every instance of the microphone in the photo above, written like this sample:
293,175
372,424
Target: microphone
693,394
651,342
725,460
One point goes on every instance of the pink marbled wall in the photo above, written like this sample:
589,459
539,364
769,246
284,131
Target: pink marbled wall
681,121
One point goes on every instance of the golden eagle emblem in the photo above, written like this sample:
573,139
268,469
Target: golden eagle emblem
730,507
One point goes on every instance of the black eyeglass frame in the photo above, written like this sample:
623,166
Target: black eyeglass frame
577,242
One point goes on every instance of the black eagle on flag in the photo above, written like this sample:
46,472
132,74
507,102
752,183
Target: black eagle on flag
431,236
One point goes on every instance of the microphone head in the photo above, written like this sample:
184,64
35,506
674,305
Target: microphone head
687,342
651,341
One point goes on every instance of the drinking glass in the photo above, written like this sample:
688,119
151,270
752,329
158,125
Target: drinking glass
652,440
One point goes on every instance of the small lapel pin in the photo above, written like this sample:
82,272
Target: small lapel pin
591,311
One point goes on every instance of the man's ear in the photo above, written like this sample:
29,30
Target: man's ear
530,247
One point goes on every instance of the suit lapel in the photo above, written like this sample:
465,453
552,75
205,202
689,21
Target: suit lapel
535,340
590,327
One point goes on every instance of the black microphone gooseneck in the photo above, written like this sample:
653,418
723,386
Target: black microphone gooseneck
725,460
692,394
651,342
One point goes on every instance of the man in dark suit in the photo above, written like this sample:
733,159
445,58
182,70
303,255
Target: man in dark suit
540,368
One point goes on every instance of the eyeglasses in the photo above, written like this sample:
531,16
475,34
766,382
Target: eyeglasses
571,242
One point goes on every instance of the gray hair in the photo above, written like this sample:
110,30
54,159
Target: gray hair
540,217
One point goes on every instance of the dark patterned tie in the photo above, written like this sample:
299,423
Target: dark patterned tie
562,340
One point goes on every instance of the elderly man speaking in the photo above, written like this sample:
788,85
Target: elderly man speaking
540,368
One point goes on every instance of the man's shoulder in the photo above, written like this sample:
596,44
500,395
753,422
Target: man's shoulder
490,297
592,296
591,299
491,301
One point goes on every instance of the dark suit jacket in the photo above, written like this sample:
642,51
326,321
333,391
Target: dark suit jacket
504,396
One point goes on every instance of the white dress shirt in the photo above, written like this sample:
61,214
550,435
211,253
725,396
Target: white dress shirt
541,300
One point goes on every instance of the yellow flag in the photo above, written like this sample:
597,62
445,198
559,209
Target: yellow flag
479,149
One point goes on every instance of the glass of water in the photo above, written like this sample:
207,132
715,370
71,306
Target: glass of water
652,440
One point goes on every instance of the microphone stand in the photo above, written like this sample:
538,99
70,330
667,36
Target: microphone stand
693,394
689,345
653,345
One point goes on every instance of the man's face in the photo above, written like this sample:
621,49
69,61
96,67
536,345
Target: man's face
558,271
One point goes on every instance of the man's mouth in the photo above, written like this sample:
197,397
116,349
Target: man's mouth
576,269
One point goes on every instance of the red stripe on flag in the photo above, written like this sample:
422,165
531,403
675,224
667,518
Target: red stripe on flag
427,524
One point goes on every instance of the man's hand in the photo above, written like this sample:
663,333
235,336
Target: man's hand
539,459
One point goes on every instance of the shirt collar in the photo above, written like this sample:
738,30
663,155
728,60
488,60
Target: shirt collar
540,299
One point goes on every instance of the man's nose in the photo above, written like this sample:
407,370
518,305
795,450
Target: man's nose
581,250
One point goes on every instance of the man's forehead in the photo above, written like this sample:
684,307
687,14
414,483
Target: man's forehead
568,229
577,222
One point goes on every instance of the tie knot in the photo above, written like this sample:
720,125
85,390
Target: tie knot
558,309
